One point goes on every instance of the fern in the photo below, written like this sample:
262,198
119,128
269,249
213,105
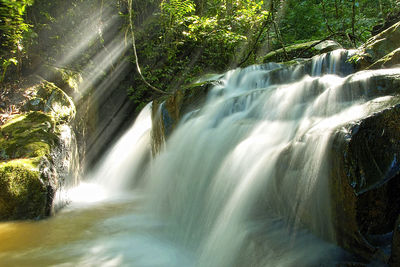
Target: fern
177,9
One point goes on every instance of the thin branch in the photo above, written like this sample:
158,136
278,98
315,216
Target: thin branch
353,22
277,31
326,18
263,26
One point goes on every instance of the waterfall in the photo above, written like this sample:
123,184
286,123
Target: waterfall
126,159
244,180
253,162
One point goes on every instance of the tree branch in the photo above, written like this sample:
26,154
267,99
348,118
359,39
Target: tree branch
263,26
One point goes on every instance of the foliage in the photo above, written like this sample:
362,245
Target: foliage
349,22
15,33
178,40
5,64
177,9
196,37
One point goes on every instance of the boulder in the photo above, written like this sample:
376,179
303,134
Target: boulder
363,169
389,61
303,50
38,154
326,46
68,80
23,194
365,181
47,97
378,48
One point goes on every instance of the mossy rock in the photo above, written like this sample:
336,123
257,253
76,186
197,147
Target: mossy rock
379,47
47,97
389,61
27,136
68,80
37,153
303,50
35,162
27,182
23,195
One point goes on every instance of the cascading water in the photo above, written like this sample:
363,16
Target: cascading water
237,179
243,181
114,173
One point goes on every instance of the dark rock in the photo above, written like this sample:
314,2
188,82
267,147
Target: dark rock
167,111
365,181
395,258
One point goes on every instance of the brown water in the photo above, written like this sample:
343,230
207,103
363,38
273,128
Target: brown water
68,239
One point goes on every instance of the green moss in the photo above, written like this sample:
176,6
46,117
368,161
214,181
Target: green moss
381,50
71,78
28,135
50,98
390,60
383,43
290,63
22,193
27,184
292,52
67,80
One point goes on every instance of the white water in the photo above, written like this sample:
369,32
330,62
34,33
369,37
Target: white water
123,166
241,182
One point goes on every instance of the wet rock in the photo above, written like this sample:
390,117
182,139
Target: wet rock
167,111
395,258
38,154
365,181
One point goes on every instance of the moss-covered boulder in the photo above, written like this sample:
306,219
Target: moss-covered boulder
389,61
37,154
23,194
66,79
303,50
27,136
380,48
47,97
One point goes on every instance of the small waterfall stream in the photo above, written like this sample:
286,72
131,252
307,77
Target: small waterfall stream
243,181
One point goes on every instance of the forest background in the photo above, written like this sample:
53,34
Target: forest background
176,40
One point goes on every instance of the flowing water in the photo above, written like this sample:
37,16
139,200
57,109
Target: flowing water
243,181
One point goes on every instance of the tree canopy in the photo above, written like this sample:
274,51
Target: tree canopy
178,40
